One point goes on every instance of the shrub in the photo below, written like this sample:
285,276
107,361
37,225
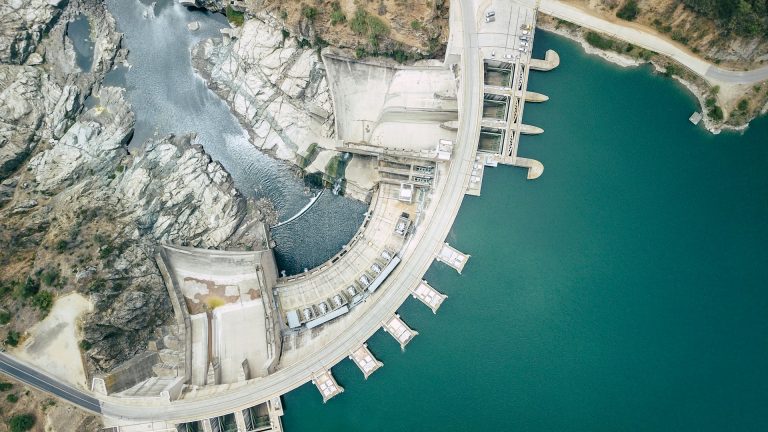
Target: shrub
43,301
31,287
416,24
671,69
235,17
629,11
105,251
21,422
12,338
5,317
598,41
49,276
710,102
5,386
716,113
12,398
309,12
743,105
337,15
85,345
61,245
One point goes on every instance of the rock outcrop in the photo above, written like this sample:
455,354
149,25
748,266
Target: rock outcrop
22,25
39,100
277,89
179,194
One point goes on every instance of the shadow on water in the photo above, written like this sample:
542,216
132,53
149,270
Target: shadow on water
168,97
79,32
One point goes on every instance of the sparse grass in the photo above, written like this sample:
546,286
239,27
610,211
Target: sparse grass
337,15
309,12
235,17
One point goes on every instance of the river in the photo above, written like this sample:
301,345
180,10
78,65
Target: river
167,96
624,290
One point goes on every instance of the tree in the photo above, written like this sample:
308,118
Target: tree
43,300
629,11
12,338
21,422
745,22
5,317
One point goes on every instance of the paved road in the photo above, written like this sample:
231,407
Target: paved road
417,258
41,381
653,42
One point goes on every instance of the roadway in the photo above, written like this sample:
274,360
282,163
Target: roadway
645,39
48,384
417,257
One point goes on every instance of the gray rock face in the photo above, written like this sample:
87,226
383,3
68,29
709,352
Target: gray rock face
39,100
278,90
95,143
22,24
180,195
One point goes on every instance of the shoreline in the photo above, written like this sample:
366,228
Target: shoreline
575,33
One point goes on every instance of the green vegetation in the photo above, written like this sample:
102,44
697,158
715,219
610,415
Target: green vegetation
12,338
5,317
748,18
286,34
309,12
31,287
670,70
50,276
43,301
416,24
710,102
61,246
598,41
629,11
235,17
743,105
716,113
5,386
21,422
85,345
12,398
337,15
365,24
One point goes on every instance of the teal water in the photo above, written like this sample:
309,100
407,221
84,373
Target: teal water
624,290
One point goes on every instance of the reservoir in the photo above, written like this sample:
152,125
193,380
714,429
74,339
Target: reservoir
167,97
624,290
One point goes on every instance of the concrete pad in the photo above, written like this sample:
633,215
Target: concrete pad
400,331
365,360
327,385
238,336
